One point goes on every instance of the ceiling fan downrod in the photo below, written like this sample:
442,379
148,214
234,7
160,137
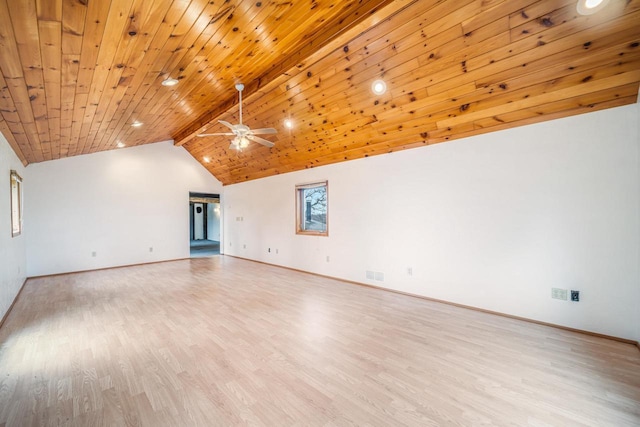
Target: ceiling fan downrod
240,88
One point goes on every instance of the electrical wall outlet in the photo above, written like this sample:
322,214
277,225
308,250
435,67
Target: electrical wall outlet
409,271
370,275
575,296
379,276
150,248
94,254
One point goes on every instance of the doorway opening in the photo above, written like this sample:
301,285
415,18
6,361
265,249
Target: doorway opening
204,224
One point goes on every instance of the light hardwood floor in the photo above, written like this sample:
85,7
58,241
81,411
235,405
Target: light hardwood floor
222,342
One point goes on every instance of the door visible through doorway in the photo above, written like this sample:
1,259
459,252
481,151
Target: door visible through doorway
204,224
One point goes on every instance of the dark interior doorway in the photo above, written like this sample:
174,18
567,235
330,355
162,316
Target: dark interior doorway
204,224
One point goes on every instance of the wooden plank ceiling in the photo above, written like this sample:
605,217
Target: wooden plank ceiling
77,73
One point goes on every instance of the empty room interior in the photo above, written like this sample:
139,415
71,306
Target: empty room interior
325,213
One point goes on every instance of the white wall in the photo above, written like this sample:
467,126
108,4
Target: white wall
13,260
638,178
116,203
493,221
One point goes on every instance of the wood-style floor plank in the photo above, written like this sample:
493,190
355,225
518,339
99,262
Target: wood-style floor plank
222,341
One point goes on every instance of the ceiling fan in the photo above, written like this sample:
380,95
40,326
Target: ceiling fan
241,133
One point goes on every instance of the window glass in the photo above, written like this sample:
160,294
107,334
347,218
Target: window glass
311,201
16,204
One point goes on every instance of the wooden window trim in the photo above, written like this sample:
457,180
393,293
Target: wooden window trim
298,212
14,177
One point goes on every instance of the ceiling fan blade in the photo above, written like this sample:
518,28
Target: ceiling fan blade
260,140
214,134
227,124
263,131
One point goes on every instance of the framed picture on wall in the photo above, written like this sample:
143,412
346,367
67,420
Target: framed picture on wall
16,204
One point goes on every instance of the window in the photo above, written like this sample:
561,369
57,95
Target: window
311,209
16,204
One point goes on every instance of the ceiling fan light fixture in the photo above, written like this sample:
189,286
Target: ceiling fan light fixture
288,123
243,134
378,87
589,7
240,143
169,82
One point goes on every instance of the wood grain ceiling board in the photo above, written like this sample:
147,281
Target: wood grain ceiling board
453,69
75,74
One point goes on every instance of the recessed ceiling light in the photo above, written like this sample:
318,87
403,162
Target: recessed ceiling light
169,82
378,87
589,7
121,144
206,159
136,124
288,123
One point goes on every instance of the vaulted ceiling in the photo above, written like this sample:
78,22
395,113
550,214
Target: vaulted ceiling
76,74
